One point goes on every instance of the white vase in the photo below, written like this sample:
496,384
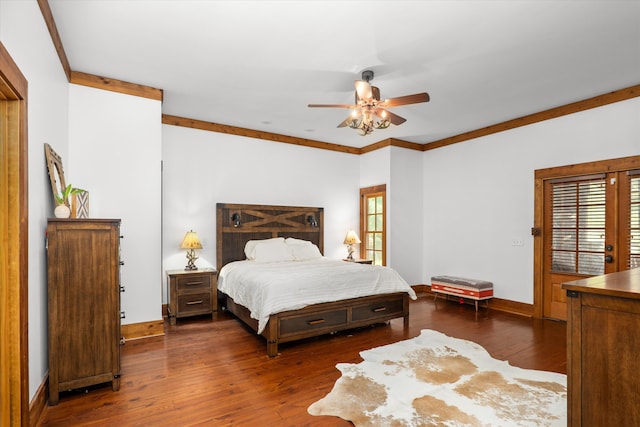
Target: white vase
62,211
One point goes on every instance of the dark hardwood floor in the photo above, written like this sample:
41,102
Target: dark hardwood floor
216,373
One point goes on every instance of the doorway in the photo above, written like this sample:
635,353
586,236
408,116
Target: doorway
14,369
587,220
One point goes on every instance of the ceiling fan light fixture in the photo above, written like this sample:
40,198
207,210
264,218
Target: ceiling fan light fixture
368,107
366,125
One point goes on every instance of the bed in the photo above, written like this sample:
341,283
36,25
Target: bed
238,224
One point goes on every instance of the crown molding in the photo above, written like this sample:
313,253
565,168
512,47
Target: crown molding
552,113
250,133
45,9
114,85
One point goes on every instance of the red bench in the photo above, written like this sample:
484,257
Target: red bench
477,290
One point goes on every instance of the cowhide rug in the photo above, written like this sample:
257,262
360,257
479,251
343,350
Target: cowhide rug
434,379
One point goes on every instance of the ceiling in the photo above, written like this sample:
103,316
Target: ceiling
257,64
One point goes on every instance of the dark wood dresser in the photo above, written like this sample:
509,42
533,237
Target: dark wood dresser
603,350
84,303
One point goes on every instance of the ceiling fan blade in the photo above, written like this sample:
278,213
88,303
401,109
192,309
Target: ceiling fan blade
375,93
408,99
363,89
393,118
333,105
345,122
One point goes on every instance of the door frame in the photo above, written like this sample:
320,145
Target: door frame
541,175
14,227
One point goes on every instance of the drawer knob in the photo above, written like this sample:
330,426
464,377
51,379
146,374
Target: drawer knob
379,309
195,302
315,322
195,283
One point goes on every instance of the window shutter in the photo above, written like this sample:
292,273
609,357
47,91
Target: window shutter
578,224
633,220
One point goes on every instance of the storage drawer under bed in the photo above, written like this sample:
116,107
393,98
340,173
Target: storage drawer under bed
313,321
378,309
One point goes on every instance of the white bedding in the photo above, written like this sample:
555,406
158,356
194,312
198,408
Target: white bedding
266,288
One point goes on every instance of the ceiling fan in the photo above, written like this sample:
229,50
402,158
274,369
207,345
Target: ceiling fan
369,112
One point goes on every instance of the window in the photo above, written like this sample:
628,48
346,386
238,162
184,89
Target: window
578,225
633,244
372,224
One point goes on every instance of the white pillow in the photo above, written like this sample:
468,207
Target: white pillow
294,241
250,246
303,252
274,251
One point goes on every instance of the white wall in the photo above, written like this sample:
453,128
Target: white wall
478,195
202,168
401,170
115,154
405,206
24,35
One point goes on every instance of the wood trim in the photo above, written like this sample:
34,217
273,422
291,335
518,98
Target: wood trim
552,113
39,403
513,307
14,245
90,80
376,190
538,247
134,331
391,142
499,304
421,289
586,104
45,9
589,168
250,133
114,85
15,84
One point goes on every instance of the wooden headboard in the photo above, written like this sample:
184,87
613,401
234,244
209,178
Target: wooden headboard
238,223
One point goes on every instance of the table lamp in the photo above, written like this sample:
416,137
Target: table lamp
350,239
191,243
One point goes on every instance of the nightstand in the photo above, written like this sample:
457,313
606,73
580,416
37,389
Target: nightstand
192,292
361,261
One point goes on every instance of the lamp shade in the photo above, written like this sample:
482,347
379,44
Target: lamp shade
191,241
351,238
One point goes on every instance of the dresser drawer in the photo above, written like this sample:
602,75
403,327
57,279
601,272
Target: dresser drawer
190,304
313,321
378,309
194,282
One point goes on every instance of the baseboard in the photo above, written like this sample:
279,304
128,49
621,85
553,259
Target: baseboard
505,305
39,403
421,290
513,307
134,331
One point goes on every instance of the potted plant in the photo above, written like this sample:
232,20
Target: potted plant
62,209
